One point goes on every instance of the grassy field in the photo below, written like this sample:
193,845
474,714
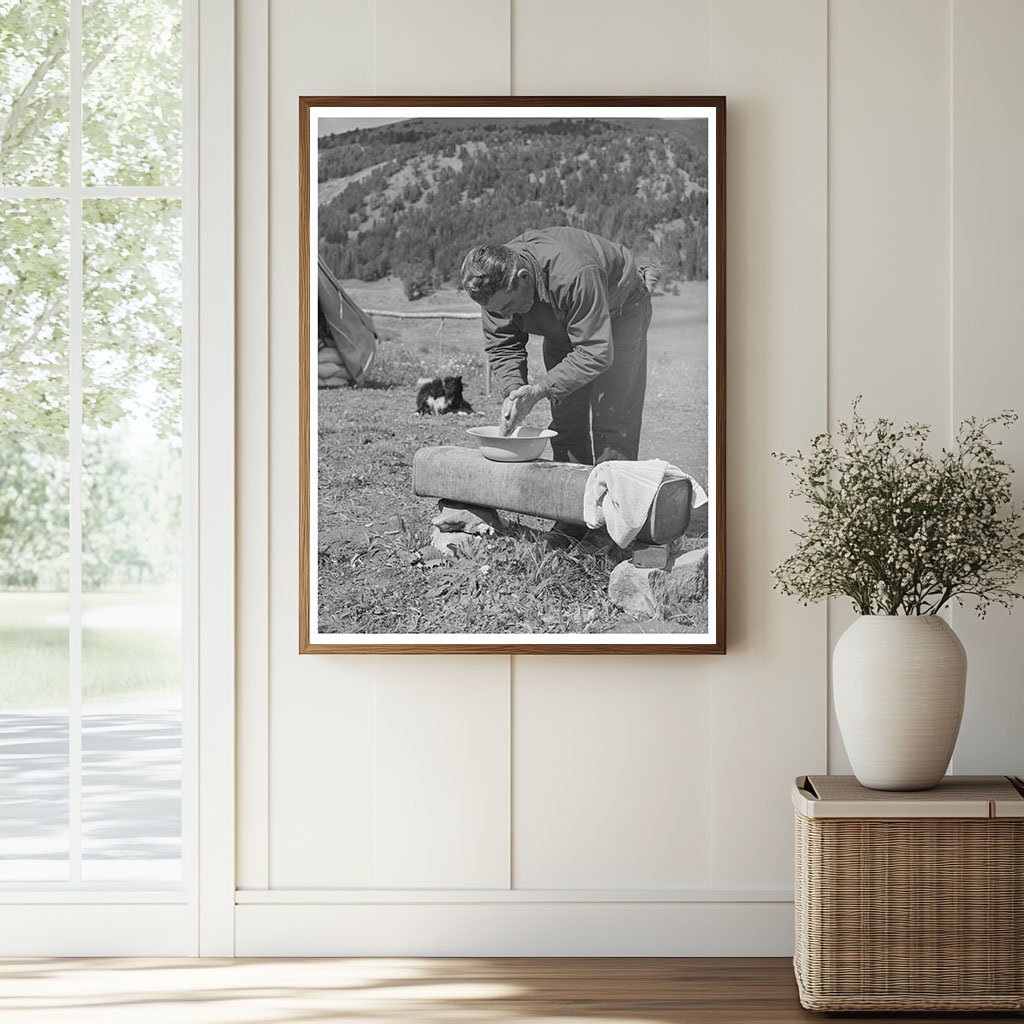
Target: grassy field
130,647
372,528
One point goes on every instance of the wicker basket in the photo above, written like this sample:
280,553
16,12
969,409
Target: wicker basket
910,901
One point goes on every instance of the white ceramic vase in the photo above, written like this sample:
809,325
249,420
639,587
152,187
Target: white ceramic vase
898,684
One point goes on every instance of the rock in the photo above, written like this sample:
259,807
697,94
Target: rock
455,517
641,591
651,557
429,556
687,578
392,525
343,536
447,540
630,589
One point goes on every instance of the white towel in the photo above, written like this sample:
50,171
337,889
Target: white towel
619,495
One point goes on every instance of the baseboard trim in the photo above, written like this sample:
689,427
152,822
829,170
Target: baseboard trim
82,929
515,928
348,897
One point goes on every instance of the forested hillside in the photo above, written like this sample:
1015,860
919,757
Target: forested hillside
410,199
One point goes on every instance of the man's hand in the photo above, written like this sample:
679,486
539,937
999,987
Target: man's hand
517,406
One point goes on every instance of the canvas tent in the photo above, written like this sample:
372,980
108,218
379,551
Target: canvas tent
346,338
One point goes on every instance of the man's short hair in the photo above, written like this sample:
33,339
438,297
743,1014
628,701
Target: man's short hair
486,270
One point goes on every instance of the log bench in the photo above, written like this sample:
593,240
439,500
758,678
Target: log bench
549,490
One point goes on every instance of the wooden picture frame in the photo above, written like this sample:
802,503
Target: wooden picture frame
405,186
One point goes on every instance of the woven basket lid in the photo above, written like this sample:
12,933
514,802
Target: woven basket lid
957,796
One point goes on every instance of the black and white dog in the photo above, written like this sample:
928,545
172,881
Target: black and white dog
439,395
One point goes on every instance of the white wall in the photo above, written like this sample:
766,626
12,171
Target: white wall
541,804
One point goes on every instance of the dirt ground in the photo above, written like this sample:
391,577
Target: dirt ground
372,529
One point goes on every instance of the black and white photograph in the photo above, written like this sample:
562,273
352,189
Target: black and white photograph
511,375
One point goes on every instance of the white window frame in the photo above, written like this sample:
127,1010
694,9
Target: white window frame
75,918
215,191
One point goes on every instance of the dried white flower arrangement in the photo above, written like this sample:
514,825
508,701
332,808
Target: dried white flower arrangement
899,530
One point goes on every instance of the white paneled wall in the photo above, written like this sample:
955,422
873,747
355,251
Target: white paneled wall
383,772
612,783
577,47
317,821
610,804
889,210
889,247
768,693
442,799
925,220
441,48
322,816
987,356
252,463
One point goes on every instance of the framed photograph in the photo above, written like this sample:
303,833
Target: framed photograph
512,375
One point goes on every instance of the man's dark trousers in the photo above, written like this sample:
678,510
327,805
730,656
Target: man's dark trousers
611,404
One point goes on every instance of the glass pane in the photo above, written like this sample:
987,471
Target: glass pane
33,540
33,92
131,92
131,541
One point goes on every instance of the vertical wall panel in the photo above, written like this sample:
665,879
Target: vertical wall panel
321,709
611,755
215,477
889,209
768,693
987,364
322,756
577,47
612,774
889,250
443,724
252,462
442,48
323,725
442,800
442,775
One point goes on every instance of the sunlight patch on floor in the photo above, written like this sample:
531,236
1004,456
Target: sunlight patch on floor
222,991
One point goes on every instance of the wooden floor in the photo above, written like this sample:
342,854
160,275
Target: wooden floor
382,991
